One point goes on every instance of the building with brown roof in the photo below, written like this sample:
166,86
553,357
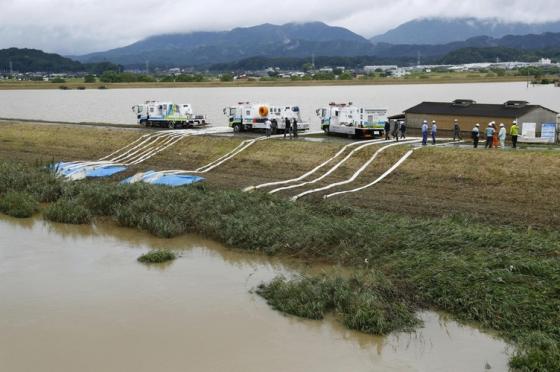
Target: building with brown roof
468,113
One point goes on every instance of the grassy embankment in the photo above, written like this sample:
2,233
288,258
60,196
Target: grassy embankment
495,263
435,78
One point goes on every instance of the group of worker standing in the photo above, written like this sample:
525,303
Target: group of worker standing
495,137
398,132
433,132
290,128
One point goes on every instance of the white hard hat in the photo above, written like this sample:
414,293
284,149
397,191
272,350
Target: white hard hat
501,124
425,121
456,120
515,122
433,121
478,125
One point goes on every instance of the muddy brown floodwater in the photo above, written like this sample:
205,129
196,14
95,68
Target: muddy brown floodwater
74,298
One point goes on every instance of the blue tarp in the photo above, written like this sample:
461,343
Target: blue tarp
66,169
164,179
106,171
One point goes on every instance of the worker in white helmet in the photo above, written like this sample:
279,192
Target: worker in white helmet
424,132
475,135
502,136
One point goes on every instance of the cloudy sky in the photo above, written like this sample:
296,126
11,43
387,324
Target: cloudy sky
81,26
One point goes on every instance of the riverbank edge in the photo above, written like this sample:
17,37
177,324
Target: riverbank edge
430,261
251,84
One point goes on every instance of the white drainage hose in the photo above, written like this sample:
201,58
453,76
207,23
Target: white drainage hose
357,173
340,152
387,172
331,170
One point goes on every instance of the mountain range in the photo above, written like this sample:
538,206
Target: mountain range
199,48
293,40
448,30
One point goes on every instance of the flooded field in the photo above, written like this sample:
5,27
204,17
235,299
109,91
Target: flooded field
114,105
74,298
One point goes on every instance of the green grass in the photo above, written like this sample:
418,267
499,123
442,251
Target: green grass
504,278
18,204
367,303
157,256
68,211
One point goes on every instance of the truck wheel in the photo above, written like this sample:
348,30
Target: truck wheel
237,128
274,127
171,125
326,130
143,123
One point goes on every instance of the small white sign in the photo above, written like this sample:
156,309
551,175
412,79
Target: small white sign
528,130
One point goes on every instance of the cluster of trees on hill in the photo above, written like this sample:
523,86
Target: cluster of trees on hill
33,60
475,55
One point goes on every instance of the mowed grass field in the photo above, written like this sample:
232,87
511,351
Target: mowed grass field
508,187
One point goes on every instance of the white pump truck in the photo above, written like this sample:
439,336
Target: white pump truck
352,121
247,116
167,114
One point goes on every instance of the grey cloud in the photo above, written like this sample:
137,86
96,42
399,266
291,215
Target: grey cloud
75,27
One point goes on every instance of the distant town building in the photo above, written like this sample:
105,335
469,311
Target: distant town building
369,69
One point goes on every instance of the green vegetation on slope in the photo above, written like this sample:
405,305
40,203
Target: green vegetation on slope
368,303
504,278
18,204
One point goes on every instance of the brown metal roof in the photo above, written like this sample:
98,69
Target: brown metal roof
474,109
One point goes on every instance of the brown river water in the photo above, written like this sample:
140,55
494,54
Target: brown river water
74,298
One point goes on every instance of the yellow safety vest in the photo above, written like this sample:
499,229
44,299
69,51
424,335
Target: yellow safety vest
514,130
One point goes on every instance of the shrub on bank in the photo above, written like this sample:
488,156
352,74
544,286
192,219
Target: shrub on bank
41,183
157,256
18,204
367,303
68,211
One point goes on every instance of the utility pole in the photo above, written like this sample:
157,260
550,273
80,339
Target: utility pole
147,67
11,68
313,61
418,59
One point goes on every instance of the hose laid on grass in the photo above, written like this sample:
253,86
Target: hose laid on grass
141,147
331,170
305,175
145,137
387,172
357,173
229,155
